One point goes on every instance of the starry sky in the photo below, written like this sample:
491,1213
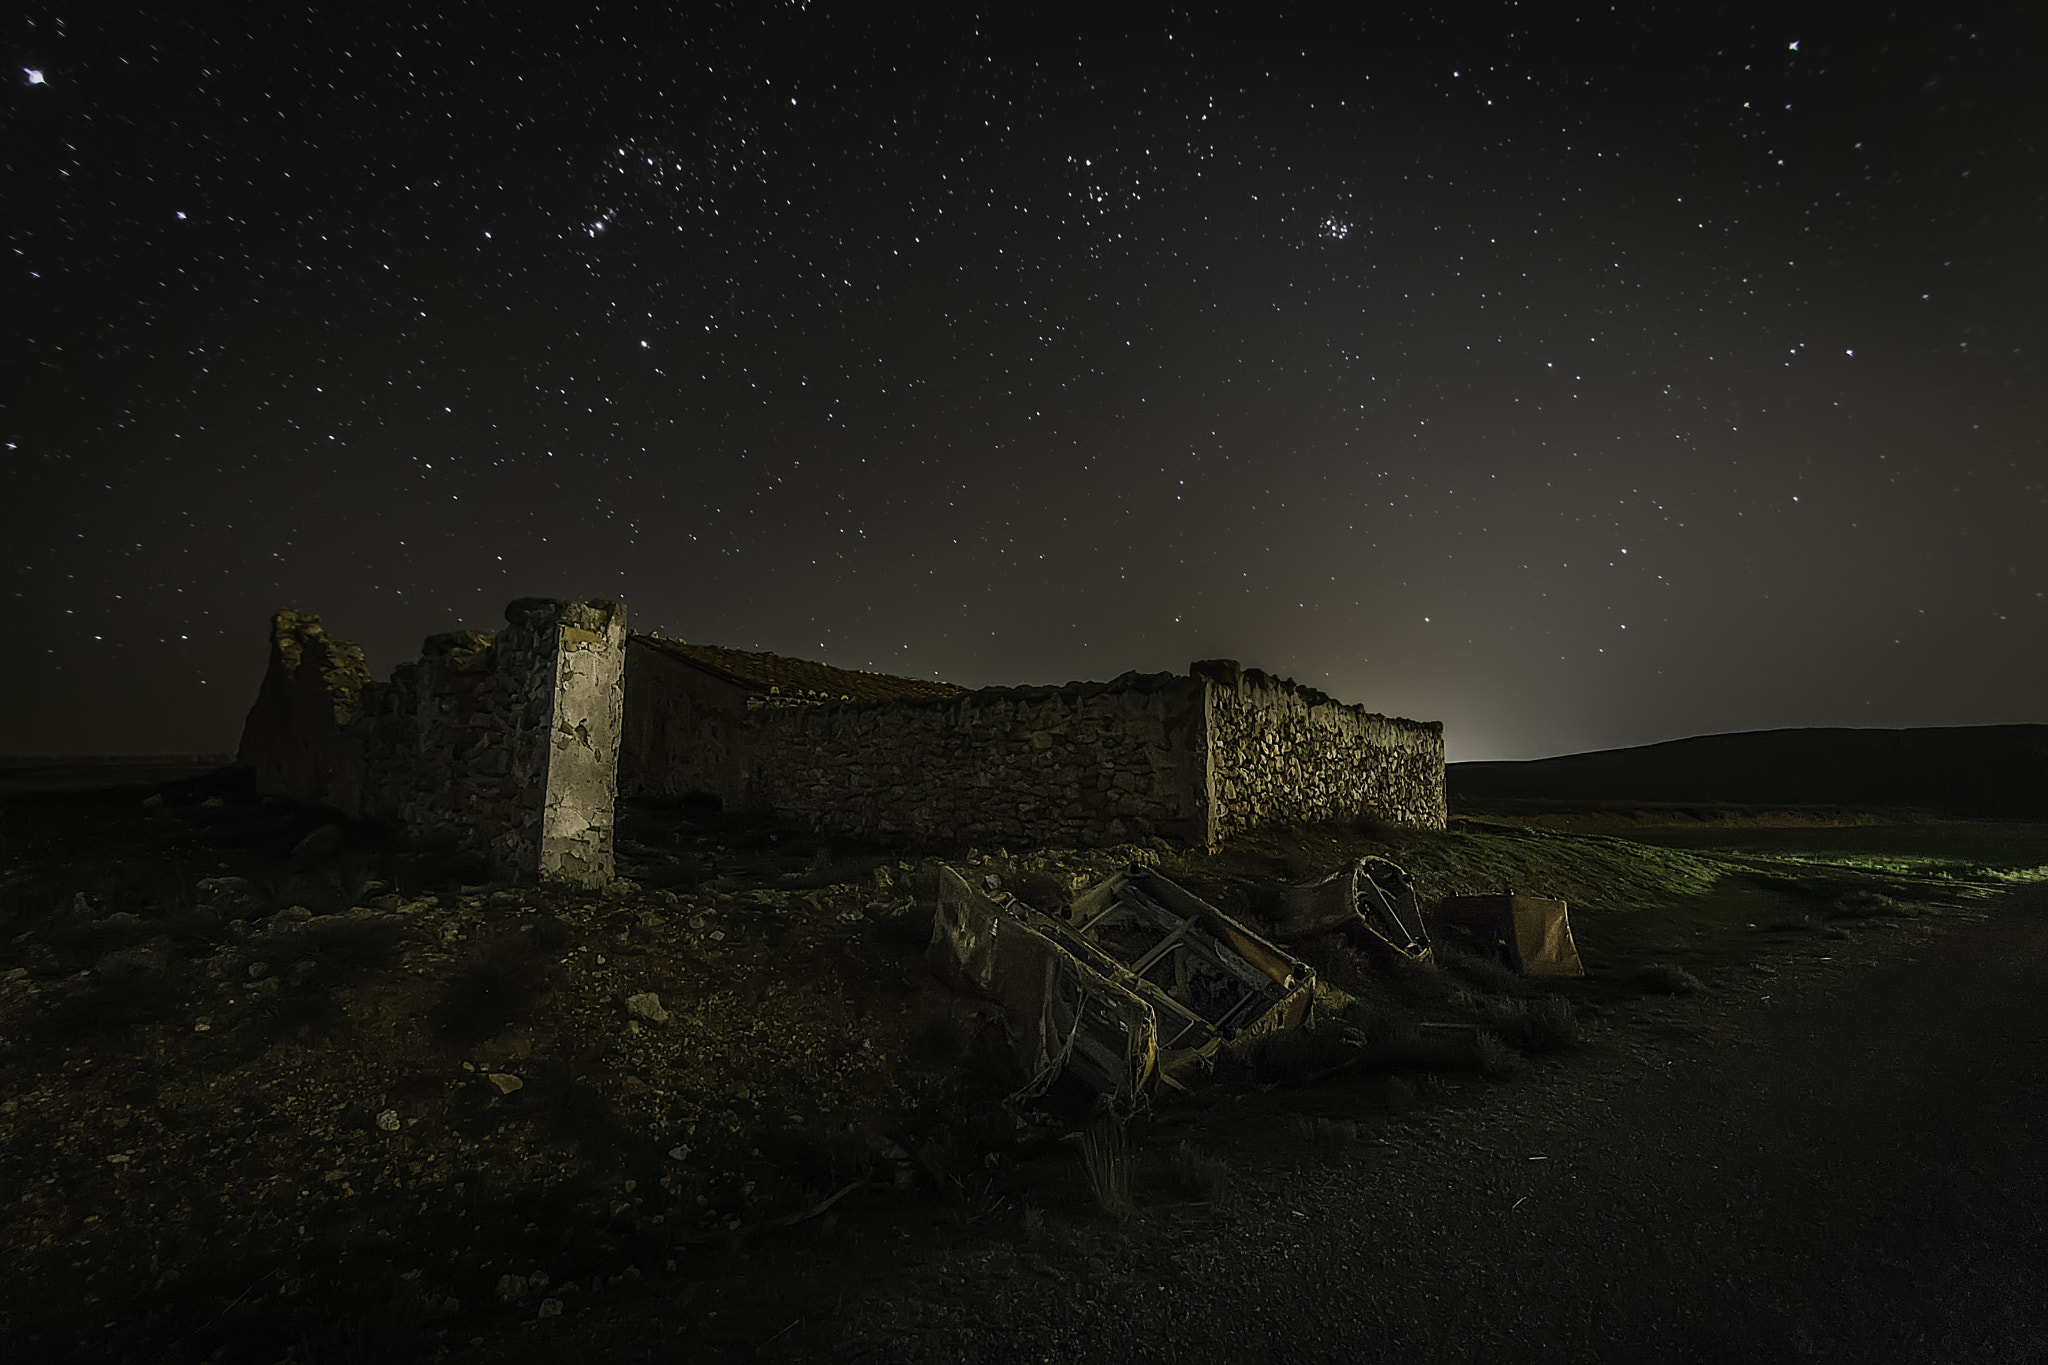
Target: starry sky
1576,379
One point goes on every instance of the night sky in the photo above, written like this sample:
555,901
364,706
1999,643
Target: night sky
1578,381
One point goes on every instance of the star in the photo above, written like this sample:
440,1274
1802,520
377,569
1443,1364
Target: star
35,77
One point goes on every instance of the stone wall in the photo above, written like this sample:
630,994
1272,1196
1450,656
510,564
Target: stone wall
510,746
1084,765
1279,753
678,738
505,744
310,694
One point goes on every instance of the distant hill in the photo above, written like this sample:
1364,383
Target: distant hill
1982,770
91,772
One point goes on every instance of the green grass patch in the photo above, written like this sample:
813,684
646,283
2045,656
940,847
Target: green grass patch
1690,900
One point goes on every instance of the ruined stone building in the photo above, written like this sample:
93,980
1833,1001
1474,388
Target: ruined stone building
682,733
515,745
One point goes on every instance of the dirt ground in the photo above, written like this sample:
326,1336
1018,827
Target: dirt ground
276,1088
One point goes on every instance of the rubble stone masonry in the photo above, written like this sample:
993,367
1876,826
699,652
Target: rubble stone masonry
508,744
1282,754
310,695
505,744
1083,765
1193,759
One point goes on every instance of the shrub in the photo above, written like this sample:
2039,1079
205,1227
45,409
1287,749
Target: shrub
1661,978
492,990
1298,1055
1327,1135
1546,1024
1494,1059
1197,1173
1489,974
1864,904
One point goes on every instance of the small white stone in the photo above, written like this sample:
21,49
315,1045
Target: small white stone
388,1120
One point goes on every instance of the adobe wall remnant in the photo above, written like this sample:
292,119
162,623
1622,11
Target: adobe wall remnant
311,693
506,743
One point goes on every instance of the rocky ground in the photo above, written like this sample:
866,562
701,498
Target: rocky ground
272,1088
262,1071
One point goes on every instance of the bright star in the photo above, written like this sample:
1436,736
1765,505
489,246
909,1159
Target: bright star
35,77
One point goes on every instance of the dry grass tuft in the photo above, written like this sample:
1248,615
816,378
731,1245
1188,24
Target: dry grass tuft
1106,1161
1545,1024
1197,1173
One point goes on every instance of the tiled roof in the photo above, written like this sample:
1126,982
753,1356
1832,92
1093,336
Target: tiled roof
796,680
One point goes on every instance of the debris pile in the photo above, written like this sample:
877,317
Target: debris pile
1141,981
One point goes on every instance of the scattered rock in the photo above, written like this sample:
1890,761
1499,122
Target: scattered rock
647,1005
388,1121
504,1082
550,1308
153,802
258,970
511,1288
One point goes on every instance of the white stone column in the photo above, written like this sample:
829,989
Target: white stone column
573,657
583,760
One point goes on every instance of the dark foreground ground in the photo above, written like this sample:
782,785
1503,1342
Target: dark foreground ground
1858,1172
251,1108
